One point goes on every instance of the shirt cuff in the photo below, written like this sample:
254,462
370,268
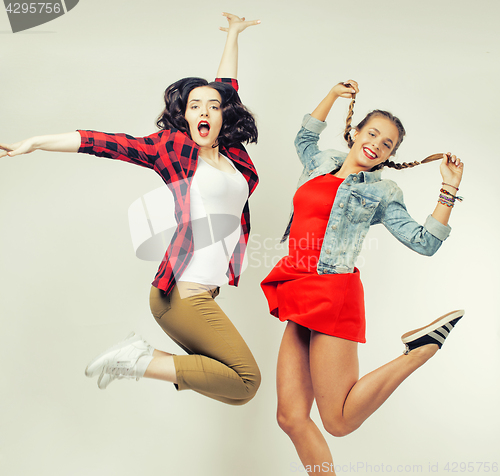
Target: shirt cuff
87,141
312,124
436,228
232,81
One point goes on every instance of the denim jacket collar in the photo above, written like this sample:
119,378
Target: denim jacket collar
371,177
367,177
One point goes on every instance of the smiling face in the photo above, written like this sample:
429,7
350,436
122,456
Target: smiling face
204,115
374,142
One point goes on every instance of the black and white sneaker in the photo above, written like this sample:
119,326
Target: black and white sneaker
435,333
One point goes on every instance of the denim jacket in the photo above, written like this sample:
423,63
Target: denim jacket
363,199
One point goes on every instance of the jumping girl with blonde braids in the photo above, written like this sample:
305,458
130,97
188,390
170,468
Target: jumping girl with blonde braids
317,289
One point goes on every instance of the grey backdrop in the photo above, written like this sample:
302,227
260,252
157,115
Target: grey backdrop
71,285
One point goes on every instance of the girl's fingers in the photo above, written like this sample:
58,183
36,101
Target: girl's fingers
5,147
230,16
449,158
6,150
353,84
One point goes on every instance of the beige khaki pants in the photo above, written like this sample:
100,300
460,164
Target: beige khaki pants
219,364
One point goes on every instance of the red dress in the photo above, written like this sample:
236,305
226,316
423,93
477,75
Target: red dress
332,304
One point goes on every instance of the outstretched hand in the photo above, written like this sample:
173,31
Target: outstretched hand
23,147
237,24
451,169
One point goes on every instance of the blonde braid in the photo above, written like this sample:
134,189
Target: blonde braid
405,165
348,128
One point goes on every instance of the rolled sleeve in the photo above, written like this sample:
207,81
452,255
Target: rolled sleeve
436,228
231,81
137,150
306,142
312,124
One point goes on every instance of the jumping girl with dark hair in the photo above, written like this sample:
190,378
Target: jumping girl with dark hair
317,289
198,153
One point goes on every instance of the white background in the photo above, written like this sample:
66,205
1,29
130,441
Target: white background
70,284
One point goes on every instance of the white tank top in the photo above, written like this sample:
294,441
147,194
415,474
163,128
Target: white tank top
217,201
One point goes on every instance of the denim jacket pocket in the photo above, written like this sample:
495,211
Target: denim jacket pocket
360,208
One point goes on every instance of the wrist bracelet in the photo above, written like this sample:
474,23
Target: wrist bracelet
455,197
449,185
448,201
442,202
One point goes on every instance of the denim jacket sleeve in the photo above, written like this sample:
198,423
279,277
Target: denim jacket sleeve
425,239
306,144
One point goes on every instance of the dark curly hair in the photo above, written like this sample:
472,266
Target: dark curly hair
238,123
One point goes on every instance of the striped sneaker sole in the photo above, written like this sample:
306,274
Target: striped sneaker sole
438,329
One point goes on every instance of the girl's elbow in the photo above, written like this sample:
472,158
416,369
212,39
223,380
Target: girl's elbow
430,249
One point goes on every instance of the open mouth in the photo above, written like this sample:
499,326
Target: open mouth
369,153
203,128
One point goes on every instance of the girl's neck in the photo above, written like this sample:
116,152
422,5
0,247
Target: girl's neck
349,167
210,153
347,170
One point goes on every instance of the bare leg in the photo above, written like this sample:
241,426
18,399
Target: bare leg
295,398
344,402
161,367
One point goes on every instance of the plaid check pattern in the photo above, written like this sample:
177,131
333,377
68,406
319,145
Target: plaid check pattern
174,156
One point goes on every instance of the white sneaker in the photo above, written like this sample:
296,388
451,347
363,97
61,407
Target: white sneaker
120,361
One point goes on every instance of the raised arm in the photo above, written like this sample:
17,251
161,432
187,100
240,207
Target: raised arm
228,67
341,90
69,142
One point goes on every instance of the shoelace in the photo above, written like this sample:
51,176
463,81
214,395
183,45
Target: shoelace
121,369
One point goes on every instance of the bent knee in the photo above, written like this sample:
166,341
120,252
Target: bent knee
238,402
251,385
254,380
337,429
251,391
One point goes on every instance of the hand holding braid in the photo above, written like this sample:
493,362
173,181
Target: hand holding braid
346,90
450,174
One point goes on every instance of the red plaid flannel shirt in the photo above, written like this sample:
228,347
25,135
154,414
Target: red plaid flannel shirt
174,156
